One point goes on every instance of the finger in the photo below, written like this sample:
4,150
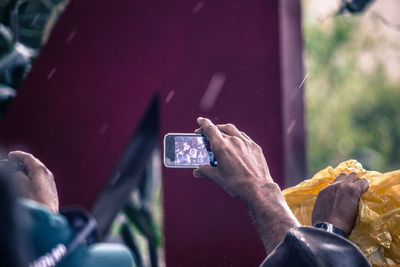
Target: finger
246,136
350,177
198,131
197,174
229,129
210,131
28,161
363,184
340,178
205,171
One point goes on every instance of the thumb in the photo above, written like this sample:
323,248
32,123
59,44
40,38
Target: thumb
205,171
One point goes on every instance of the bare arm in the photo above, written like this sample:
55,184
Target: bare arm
243,172
272,215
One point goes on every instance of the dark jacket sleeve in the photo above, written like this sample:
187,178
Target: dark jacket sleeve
308,246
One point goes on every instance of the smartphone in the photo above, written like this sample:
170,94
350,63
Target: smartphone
184,150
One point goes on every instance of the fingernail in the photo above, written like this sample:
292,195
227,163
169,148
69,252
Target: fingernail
196,173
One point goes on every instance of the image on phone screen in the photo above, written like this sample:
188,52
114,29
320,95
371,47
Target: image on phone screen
187,151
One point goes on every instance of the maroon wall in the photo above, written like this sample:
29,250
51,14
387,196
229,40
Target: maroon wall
94,79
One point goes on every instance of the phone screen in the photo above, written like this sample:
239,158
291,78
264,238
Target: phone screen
187,151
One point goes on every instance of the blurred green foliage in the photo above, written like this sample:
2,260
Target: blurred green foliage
25,26
30,21
353,110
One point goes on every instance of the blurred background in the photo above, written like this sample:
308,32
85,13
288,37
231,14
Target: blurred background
352,63
25,27
352,78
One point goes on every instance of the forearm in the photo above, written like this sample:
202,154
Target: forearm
271,214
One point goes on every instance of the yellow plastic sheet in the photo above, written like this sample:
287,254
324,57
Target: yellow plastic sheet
378,223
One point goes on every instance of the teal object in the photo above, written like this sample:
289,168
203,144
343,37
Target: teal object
48,230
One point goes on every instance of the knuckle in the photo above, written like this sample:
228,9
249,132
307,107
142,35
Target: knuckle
343,186
49,173
230,126
365,183
235,139
208,128
43,170
40,170
257,147
349,188
353,189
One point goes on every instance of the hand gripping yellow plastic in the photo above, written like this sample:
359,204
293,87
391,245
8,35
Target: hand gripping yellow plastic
377,230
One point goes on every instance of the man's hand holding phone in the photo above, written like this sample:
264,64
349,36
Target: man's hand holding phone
243,172
241,168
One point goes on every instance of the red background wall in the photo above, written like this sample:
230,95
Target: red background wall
95,77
